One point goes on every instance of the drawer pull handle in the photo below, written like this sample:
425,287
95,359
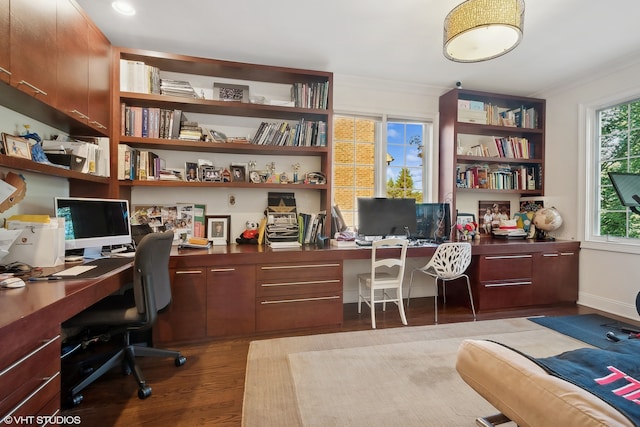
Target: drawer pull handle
314,282
550,255
282,267
283,301
508,256
38,91
497,285
33,393
189,272
25,357
222,270
567,253
4,70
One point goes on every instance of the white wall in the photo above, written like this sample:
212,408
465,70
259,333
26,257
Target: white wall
608,280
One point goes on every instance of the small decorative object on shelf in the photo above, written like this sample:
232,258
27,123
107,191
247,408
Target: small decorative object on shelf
238,172
231,92
191,172
16,146
296,167
209,174
226,175
217,136
284,178
254,176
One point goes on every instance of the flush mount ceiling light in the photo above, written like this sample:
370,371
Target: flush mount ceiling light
477,30
123,8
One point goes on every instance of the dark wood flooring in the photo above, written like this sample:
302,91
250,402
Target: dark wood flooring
208,389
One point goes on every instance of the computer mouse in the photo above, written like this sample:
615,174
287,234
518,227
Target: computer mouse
12,282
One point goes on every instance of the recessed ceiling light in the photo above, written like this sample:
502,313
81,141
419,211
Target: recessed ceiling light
123,8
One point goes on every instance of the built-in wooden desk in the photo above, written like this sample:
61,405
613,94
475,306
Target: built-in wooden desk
30,319
247,289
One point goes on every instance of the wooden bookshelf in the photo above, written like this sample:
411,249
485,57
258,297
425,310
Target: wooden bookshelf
470,122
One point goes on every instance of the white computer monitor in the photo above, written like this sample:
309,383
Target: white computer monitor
92,223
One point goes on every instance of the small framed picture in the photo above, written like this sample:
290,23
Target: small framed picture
209,174
218,229
231,92
16,146
191,172
254,176
238,172
464,218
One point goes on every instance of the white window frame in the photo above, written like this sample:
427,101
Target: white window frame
589,174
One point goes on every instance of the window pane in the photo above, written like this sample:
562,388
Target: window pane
405,163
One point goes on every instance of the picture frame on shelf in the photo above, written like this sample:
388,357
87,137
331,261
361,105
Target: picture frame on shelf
465,218
191,172
218,229
254,177
209,174
16,146
238,172
231,92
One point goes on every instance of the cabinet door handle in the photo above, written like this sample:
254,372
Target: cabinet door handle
189,272
3,70
79,114
507,256
221,270
46,382
38,91
312,282
45,343
97,124
284,301
497,285
281,267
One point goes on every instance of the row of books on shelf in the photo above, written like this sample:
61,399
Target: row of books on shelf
489,114
500,177
134,164
310,225
303,134
136,76
310,95
150,122
510,147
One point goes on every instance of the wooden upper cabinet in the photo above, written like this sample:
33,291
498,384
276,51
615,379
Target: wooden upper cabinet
73,61
33,48
5,55
99,79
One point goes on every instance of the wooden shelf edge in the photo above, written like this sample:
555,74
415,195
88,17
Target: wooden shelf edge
523,193
45,169
477,159
154,183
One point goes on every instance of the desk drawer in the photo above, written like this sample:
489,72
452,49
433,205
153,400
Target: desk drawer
505,267
275,280
303,311
31,381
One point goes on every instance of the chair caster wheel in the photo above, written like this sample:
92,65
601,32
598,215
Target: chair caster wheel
180,360
144,392
75,400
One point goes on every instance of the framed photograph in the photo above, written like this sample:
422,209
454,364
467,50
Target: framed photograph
191,172
490,214
209,174
254,176
218,229
231,92
463,218
16,146
238,172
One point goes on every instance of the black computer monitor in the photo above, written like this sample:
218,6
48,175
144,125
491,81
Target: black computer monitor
433,221
386,217
627,186
92,223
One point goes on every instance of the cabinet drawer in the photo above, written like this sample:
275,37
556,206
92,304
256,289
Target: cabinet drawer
32,380
300,271
505,267
503,294
299,312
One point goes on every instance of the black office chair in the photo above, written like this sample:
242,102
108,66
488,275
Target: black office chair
132,311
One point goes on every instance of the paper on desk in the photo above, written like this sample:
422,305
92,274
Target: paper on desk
15,222
7,237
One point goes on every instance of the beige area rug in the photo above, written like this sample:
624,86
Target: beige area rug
401,376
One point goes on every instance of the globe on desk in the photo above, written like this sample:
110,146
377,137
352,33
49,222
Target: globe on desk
546,220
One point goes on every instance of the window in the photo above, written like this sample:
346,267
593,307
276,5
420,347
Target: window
616,149
367,166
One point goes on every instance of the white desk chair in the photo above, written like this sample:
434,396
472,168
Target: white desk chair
386,274
449,262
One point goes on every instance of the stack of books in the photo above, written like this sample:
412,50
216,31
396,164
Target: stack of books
177,88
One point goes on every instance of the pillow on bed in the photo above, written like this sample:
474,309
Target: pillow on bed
525,393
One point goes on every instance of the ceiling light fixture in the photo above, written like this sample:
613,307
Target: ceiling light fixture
478,30
123,8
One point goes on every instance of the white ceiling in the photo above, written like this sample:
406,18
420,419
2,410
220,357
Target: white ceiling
564,40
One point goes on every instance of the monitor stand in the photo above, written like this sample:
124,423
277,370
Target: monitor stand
92,253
